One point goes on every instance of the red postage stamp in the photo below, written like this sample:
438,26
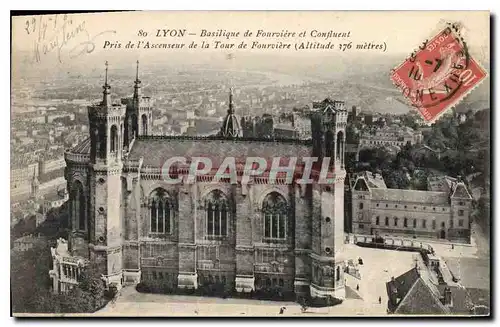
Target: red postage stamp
439,74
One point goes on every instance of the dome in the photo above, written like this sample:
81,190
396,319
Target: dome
231,127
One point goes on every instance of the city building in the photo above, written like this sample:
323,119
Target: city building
376,209
296,125
247,236
368,119
389,136
27,242
258,127
353,114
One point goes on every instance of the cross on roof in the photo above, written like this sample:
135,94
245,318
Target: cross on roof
106,75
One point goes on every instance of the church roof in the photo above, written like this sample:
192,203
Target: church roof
398,195
156,150
83,147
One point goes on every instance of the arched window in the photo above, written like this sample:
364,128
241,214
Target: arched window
122,143
340,147
217,214
161,212
114,138
405,222
102,141
94,142
274,209
338,273
361,205
144,119
79,207
387,221
134,126
329,143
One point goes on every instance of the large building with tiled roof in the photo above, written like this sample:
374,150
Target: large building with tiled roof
390,136
412,293
416,293
244,236
444,212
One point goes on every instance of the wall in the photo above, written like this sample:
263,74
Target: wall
244,253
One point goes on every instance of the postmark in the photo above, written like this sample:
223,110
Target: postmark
439,74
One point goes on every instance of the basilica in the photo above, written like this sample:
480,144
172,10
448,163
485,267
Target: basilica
246,236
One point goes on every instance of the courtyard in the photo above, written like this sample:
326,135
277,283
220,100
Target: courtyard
362,295
377,269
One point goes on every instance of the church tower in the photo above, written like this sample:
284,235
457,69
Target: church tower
106,121
231,126
139,114
328,123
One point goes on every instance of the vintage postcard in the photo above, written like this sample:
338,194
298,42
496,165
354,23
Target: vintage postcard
247,164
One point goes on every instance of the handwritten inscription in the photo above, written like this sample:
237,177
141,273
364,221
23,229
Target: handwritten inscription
60,34
88,46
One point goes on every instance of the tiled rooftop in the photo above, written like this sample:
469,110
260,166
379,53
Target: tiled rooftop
83,147
399,195
155,151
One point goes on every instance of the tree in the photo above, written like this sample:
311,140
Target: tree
483,213
31,286
30,279
352,137
395,179
91,289
410,121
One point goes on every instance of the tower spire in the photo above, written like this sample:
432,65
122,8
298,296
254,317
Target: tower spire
231,107
137,84
137,73
106,100
231,126
106,74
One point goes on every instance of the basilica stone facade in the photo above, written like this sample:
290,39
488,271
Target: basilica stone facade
246,236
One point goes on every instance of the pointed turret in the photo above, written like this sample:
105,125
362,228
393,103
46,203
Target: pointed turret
106,99
230,111
231,126
137,84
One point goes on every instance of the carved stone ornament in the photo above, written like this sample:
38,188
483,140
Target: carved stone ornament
328,271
